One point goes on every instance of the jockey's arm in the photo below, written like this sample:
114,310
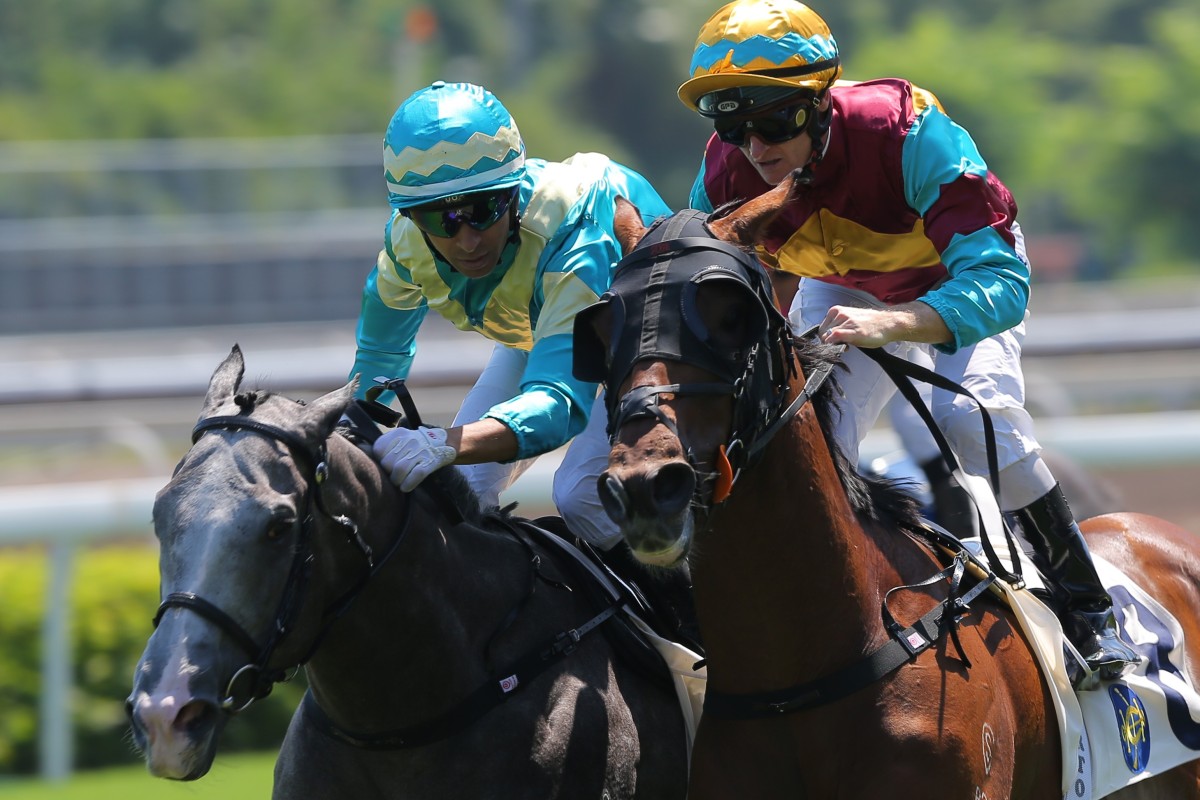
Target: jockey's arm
482,442
875,327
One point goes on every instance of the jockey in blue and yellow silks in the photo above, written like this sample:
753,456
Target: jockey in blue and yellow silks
509,247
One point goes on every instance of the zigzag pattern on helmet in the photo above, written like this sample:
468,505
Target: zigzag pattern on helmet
773,52
481,153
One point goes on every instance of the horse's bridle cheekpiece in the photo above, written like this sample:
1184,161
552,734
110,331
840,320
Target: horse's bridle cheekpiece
256,679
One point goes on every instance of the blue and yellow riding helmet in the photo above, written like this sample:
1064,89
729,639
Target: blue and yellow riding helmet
450,139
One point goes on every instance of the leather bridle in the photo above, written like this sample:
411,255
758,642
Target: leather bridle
255,679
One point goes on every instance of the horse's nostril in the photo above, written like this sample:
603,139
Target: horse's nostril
674,484
613,497
195,714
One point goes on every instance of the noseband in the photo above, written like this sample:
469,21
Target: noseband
256,679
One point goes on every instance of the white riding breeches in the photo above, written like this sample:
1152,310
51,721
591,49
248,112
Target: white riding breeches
990,370
914,434
575,492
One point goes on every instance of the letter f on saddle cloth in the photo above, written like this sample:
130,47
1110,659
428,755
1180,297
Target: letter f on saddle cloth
905,240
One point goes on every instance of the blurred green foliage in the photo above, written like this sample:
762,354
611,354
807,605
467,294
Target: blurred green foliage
114,596
1087,111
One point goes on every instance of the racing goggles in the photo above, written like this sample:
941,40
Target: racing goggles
479,210
773,126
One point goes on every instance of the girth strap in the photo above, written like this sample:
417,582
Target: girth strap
904,645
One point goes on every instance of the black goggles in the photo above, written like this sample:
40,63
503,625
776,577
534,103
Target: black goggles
480,211
772,126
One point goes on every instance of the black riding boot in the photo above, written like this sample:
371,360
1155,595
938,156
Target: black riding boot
668,593
1082,603
951,504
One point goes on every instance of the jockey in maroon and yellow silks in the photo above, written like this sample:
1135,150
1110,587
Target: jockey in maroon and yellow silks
913,206
903,239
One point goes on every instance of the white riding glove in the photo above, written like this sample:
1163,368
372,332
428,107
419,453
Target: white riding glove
412,456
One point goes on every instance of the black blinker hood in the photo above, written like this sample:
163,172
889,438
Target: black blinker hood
652,298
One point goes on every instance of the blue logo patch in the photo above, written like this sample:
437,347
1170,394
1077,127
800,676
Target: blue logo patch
1132,726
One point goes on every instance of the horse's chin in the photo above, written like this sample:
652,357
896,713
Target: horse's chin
186,758
177,746
661,542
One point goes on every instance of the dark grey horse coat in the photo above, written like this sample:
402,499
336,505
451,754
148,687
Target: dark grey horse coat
450,608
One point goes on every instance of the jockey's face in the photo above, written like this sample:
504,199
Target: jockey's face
469,250
473,253
774,162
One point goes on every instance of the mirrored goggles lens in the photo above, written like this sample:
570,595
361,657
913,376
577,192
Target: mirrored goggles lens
480,212
772,127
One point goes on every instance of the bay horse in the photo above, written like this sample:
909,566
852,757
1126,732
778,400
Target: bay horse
721,458
445,651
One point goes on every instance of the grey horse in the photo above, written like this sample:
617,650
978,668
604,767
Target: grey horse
446,656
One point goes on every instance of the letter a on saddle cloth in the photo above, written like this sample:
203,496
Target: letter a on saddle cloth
1121,731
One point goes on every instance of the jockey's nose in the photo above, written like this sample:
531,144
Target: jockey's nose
468,239
755,144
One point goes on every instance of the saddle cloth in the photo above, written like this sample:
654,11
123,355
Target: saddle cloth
1120,732
689,681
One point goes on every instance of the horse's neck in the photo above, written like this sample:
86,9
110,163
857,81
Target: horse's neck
417,633
793,587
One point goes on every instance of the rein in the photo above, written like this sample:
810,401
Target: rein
255,680
812,385
497,689
363,418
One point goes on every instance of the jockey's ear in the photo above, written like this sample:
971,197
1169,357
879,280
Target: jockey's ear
627,225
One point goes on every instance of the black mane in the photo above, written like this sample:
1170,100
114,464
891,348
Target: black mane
451,485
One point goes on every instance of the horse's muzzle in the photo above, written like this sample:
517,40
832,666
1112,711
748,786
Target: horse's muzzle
652,507
663,490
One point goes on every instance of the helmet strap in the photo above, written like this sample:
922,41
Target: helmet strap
817,130
514,223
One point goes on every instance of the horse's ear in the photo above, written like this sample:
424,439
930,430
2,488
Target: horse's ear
225,381
321,415
748,223
627,225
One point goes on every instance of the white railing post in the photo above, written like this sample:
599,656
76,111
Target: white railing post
56,745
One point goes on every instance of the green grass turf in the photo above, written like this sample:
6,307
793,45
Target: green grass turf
242,776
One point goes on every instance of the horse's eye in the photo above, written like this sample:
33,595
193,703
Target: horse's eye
279,528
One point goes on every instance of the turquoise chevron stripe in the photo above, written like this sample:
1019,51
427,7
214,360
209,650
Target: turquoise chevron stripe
477,153
776,51
936,152
443,174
